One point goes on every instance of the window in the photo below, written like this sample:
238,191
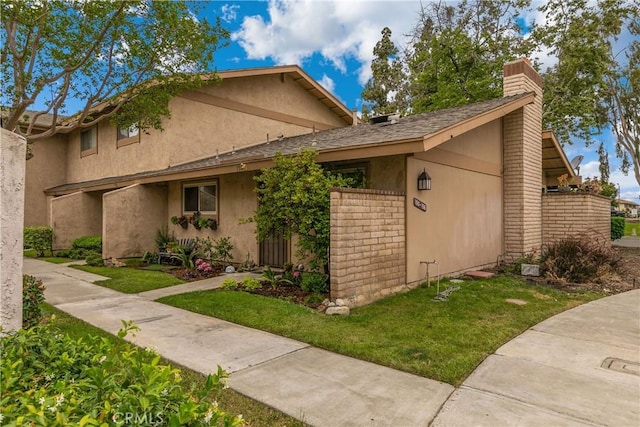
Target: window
128,136
200,197
89,141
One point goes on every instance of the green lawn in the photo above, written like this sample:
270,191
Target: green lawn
255,413
444,341
131,280
628,226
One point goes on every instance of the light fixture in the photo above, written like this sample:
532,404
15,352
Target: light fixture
424,181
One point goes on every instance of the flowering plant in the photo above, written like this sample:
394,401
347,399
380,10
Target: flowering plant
204,266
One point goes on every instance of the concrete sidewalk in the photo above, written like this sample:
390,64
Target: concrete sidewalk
581,367
628,242
319,387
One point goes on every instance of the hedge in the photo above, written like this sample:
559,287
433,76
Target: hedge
617,227
38,238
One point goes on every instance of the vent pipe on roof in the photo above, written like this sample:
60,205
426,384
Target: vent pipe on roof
354,117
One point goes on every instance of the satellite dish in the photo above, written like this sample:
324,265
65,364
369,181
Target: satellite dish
575,163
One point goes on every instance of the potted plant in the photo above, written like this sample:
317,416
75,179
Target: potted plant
563,183
181,220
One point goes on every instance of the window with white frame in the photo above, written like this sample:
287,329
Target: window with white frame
200,197
89,141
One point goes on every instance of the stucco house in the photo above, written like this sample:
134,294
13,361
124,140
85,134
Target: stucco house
629,207
488,164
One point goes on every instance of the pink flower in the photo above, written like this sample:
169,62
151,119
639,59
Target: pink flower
198,261
296,274
208,270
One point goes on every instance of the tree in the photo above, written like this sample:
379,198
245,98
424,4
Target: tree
384,91
593,86
458,52
295,200
123,60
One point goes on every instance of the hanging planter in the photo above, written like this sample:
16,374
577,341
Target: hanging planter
181,220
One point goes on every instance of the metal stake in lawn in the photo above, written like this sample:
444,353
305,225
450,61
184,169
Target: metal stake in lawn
437,272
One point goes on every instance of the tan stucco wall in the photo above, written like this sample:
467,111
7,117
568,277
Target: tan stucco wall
570,214
75,215
236,200
130,218
13,149
462,227
387,173
196,129
47,168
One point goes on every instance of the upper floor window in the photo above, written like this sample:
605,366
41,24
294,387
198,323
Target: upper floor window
128,135
200,197
89,141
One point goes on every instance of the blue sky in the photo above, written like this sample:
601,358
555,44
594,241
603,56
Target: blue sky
333,42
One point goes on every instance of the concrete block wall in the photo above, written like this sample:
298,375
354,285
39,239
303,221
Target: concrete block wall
571,214
367,252
522,130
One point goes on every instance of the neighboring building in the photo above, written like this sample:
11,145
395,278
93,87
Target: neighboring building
488,163
629,207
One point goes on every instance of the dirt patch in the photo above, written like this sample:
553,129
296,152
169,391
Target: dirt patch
292,293
624,277
191,275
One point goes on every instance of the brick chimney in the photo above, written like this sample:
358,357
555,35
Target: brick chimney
522,154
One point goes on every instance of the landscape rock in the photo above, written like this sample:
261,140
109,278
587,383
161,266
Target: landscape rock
332,304
112,262
230,269
326,302
340,302
338,311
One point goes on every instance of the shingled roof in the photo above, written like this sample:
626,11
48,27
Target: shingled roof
416,128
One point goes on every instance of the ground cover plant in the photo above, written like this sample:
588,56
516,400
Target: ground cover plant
131,280
229,401
412,332
53,379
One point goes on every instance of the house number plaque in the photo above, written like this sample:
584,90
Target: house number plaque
420,204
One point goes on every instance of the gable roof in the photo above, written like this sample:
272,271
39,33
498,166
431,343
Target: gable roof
293,71
410,134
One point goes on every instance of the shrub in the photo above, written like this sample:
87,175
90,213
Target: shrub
617,227
314,283
222,250
38,238
50,379
95,259
89,243
150,257
250,284
32,297
229,284
578,259
73,253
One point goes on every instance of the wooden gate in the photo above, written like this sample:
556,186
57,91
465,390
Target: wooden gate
275,252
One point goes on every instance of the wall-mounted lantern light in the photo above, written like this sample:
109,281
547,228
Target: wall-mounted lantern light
424,181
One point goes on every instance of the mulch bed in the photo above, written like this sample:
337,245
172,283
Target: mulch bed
285,291
625,277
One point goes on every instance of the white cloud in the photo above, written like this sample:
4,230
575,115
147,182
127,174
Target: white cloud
328,83
295,30
229,12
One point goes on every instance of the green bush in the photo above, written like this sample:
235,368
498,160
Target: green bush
617,227
32,297
89,243
50,379
229,283
315,283
250,284
38,238
73,253
95,259
579,259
